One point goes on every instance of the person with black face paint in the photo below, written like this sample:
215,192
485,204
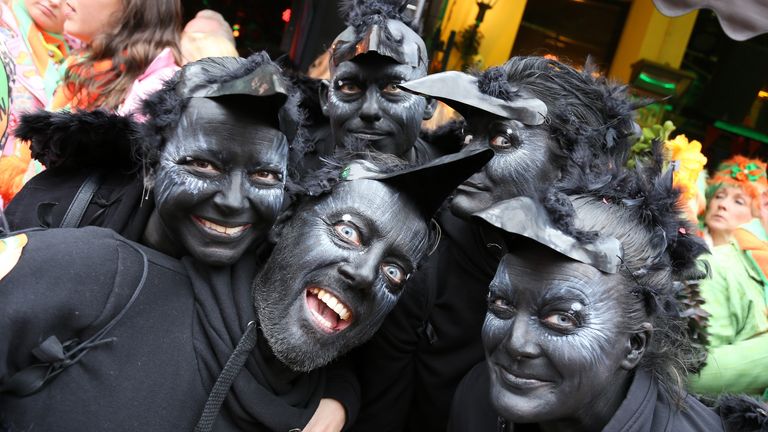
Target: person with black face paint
584,329
543,119
135,340
366,108
211,168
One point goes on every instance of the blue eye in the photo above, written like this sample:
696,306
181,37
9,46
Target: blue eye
348,232
394,273
561,321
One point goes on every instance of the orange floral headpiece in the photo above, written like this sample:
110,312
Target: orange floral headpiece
739,171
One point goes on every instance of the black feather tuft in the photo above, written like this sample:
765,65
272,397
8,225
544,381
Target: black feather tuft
493,82
356,12
82,139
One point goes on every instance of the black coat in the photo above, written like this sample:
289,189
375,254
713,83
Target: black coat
155,367
645,409
410,369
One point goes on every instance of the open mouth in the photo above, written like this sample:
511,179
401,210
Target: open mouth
214,228
330,313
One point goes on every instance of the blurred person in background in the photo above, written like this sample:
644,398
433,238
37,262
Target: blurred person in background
31,31
130,48
736,294
208,34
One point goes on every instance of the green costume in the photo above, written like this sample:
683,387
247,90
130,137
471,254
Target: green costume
736,297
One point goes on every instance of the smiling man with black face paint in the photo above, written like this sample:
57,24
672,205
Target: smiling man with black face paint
362,99
172,334
544,120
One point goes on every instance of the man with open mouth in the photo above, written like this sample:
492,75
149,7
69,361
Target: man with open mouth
132,339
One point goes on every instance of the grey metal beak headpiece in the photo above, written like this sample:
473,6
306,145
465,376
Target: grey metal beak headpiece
522,216
461,92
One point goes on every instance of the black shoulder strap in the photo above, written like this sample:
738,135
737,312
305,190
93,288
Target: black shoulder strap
76,210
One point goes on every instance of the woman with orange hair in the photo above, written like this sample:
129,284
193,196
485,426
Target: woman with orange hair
736,295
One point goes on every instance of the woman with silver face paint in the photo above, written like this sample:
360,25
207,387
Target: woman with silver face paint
583,330
213,167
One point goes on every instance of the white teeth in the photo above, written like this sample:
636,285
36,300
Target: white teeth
332,302
222,229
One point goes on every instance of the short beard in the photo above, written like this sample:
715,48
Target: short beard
292,344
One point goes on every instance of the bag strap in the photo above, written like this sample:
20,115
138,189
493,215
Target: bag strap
79,204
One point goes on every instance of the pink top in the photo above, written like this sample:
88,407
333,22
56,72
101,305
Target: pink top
161,68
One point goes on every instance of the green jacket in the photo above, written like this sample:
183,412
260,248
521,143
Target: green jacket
736,296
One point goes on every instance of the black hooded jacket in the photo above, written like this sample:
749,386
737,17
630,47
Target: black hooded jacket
154,368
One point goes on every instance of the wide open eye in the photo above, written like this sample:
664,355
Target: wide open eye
394,273
266,177
200,166
501,141
348,87
560,321
348,232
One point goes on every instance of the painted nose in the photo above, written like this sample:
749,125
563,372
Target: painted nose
521,342
231,199
361,270
370,111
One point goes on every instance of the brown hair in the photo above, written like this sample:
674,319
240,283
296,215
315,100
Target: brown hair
142,29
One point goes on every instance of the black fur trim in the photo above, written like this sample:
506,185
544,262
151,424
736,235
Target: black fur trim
743,413
82,139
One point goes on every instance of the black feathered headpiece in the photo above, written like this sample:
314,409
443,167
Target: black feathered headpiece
378,26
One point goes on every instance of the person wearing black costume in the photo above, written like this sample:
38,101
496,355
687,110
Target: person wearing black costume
213,152
121,337
375,53
542,118
584,329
